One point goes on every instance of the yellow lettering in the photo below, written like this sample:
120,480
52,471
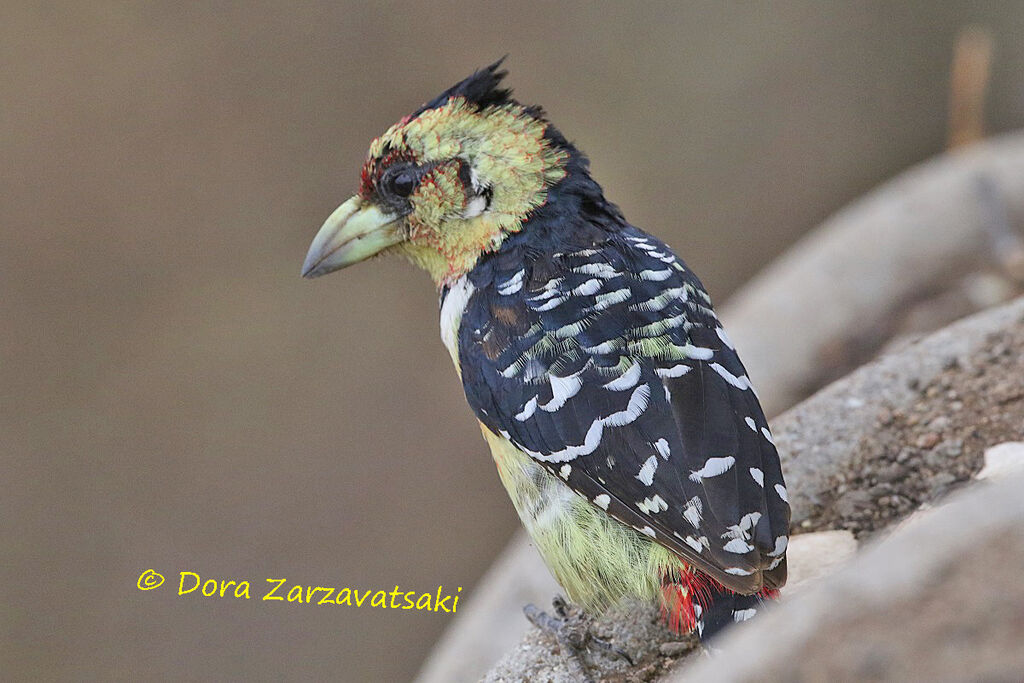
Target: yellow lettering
456,603
295,594
270,595
181,583
224,585
361,600
348,597
420,604
383,600
408,601
242,590
326,598
212,583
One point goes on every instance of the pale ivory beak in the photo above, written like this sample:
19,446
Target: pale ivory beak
354,232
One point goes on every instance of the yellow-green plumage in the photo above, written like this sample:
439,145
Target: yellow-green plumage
598,560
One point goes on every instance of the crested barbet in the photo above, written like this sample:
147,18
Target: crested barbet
622,423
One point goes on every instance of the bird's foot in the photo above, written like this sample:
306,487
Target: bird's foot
570,627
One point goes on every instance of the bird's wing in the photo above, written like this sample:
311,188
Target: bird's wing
607,365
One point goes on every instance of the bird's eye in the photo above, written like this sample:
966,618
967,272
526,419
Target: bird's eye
402,183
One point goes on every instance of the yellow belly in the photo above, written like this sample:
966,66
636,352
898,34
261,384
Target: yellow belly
596,559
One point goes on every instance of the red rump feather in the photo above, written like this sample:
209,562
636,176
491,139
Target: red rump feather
681,592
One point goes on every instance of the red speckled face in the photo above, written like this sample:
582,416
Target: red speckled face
375,168
457,179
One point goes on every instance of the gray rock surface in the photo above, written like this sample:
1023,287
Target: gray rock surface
939,600
860,424
831,301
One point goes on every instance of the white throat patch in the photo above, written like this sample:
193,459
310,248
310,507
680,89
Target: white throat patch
451,315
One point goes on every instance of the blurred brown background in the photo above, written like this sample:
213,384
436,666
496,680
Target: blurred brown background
175,397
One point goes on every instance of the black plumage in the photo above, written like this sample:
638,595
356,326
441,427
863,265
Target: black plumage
569,305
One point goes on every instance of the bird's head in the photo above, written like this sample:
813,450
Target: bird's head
446,184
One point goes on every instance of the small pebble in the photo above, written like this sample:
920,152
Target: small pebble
940,481
673,649
1003,460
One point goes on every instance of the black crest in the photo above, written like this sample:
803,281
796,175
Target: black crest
481,88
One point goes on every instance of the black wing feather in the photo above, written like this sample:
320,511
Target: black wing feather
606,355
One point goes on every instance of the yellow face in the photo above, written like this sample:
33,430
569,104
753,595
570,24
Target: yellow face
443,188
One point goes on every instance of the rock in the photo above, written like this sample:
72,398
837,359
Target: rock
909,608
852,502
940,482
1004,460
811,556
674,649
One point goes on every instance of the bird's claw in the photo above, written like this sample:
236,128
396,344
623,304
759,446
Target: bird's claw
570,627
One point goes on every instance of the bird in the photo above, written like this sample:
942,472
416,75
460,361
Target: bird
620,419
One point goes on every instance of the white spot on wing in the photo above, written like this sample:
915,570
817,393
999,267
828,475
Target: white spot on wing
781,543
589,287
603,348
556,301
750,423
674,371
562,389
692,511
740,382
736,571
602,501
565,471
781,490
712,468
738,546
661,445
743,529
758,476
698,353
513,284
724,337
603,301
648,531
601,270
646,474
743,614
655,275
528,410
549,290
590,443
626,380
694,543
661,301
767,435
637,405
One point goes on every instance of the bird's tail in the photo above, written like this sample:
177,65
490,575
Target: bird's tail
695,602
